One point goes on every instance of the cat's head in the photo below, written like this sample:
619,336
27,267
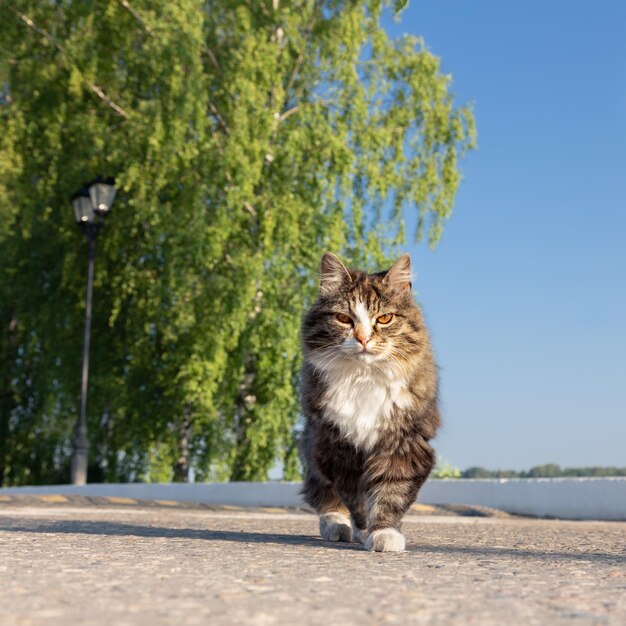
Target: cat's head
363,318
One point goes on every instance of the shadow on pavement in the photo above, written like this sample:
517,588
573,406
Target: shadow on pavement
119,529
71,527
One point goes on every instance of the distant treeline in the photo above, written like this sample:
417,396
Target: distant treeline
550,470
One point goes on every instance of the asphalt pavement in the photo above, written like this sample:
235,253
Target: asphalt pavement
127,563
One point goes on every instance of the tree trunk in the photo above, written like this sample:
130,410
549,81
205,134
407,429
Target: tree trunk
7,399
181,469
245,402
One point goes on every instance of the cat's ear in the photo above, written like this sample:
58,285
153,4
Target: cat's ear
333,274
399,274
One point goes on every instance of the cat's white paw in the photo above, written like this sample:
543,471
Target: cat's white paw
385,540
335,527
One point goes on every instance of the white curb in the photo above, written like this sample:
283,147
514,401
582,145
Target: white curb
565,498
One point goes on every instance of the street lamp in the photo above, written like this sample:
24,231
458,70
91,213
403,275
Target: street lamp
91,205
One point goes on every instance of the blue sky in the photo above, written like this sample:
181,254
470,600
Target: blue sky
526,293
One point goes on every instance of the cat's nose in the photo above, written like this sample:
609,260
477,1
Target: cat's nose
362,338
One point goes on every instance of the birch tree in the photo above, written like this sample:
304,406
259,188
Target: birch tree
246,138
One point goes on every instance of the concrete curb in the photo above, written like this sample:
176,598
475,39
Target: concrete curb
60,501
276,494
564,498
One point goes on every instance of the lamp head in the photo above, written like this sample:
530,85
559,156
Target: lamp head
102,193
81,204
93,201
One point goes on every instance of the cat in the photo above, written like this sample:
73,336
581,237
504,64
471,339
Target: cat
369,397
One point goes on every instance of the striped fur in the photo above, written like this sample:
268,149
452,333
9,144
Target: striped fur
369,397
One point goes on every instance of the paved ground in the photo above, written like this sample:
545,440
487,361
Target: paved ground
134,565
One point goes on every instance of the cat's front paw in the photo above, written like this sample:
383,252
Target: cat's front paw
335,527
385,540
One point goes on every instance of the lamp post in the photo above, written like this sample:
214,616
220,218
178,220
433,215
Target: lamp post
91,205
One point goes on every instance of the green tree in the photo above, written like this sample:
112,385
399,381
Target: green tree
549,470
246,139
477,472
445,470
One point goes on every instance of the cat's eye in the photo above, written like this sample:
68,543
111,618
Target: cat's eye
343,318
384,319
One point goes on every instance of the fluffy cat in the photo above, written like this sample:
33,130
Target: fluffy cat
369,398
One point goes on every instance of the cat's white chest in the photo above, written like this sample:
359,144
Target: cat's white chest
359,399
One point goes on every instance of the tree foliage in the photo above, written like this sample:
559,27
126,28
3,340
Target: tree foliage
445,470
549,470
246,138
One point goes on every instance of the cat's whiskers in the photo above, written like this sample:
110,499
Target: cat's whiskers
327,359
392,354
331,344
328,367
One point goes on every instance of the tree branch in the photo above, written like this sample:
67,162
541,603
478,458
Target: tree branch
142,22
288,113
298,64
219,118
116,107
92,86
212,57
261,6
136,15
296,69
